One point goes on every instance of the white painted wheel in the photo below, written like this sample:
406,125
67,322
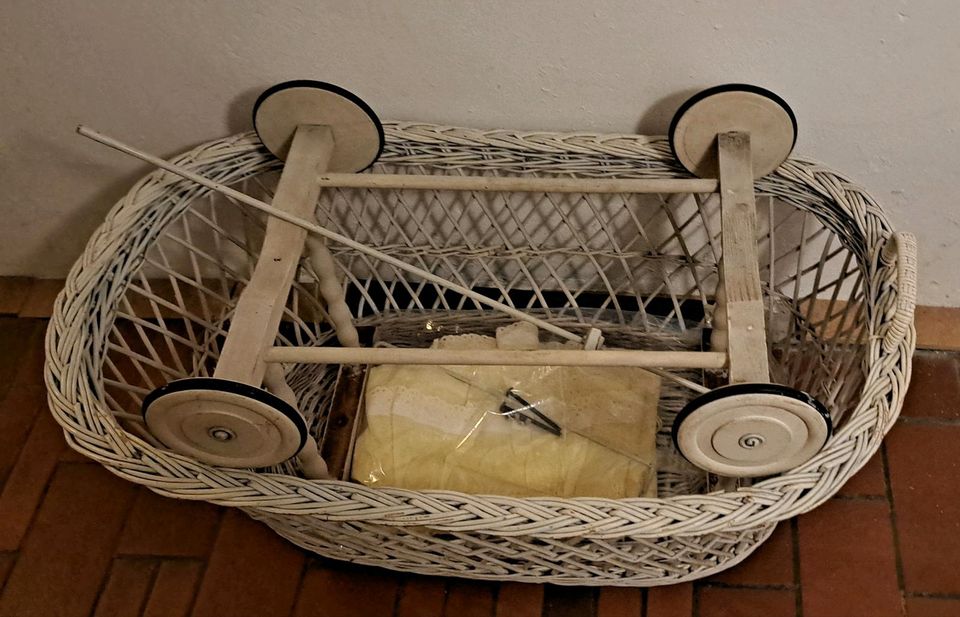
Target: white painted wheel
733,107
750,430
357,132
224,423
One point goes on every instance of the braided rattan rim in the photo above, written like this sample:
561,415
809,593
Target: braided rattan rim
83,315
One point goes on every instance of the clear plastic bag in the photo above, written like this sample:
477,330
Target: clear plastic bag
521,431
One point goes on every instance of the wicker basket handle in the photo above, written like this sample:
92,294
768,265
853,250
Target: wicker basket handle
901,250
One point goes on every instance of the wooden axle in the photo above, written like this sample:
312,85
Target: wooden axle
497,357
518,185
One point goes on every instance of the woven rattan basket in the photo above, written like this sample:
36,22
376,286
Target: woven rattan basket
148,302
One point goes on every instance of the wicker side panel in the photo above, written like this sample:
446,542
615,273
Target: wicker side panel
622,561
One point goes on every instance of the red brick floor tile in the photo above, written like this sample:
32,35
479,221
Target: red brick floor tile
30,358
23,394
6,565
23,490
67,553
620,602
13,292
670,601
15,335
174,588
18,411
422,596
770,564
40,298
251,571
869,481
847,562
933,607
169,527
469,599
337,590
127,588
937,327
69,455
519,600
742,602
924,464
934,385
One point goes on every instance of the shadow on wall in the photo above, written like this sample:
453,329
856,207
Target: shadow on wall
240,110
78,222
656,119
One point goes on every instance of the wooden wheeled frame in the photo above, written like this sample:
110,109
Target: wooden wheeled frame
748,428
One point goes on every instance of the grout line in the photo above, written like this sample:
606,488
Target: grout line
446,596
695,599
754,586
116,542
928,420
859,497
303,575
16,558
898,560
149,556
206,562
20,295
936,327
196,586
126,518
934,595
103,584
797,581
153,581
401,588
496,598
137,558
643,601
47,482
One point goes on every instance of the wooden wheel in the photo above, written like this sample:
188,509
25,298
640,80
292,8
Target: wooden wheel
753,429
225,423
733,107
357,131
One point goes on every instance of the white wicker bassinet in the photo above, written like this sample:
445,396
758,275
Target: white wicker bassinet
148,301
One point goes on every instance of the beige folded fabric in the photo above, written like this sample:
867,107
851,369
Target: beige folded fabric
430,427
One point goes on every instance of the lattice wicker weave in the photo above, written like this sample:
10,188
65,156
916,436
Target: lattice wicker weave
150,297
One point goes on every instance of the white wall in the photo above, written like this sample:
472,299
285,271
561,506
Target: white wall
875,84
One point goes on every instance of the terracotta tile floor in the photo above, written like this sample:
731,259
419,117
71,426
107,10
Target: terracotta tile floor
76,541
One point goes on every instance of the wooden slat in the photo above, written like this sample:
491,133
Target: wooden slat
342,423
746,333
257,316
